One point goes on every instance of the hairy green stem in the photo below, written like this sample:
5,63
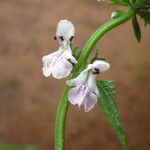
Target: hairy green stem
61,120
63,107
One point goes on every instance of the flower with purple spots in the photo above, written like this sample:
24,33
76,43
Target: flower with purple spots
56,63
85,92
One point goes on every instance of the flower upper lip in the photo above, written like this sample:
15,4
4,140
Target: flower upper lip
65,32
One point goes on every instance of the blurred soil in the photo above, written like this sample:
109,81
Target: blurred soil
28,101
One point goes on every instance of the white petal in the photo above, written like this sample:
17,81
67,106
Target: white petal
77,96
91,82
68,55
46,71
66,30
62,68
80,79
89,102
49,61
54,54
101,65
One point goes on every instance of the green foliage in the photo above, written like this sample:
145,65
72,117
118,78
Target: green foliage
144,12
94,58
109,108
131,2
142,2
145,17
75,50
121,2
142,8
136,28
13,147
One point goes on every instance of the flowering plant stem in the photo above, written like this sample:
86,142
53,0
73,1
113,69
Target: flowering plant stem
63,106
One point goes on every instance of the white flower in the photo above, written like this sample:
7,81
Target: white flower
65,32
56,63
85,91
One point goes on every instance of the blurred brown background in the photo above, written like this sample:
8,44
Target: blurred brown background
28,101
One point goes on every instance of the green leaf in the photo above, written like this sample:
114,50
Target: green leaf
94,58
144,11
142,2
109,108
121,2
136,28
146,17
142,8
75,50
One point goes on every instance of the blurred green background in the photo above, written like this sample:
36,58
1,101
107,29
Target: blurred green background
29,101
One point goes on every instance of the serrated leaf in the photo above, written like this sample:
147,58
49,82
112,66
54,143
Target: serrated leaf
136,28
107,102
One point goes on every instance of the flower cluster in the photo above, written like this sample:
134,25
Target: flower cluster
84,91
